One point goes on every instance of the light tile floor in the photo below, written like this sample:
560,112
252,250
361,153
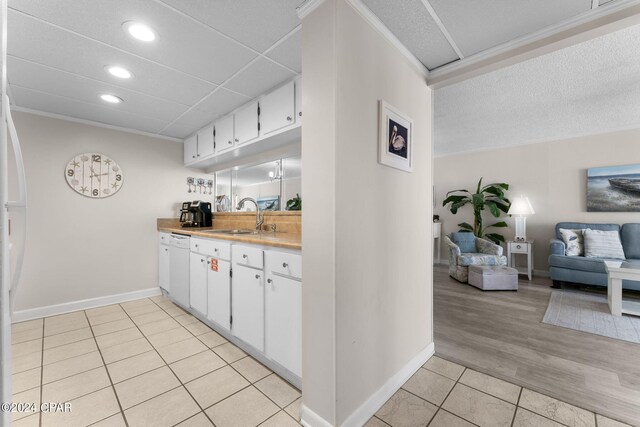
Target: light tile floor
142,363
149,363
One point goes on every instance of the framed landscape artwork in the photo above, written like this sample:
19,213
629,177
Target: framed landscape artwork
395,145
613,189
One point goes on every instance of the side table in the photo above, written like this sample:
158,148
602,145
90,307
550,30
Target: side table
525,248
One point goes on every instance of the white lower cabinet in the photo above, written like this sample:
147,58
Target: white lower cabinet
247,305
219,292
198,283
163,267
283,322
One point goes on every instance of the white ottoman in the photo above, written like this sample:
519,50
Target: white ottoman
493,277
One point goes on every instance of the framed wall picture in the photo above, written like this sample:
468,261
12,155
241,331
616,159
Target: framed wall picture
613,189
396,138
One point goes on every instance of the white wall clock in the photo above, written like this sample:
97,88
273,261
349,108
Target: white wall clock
94,175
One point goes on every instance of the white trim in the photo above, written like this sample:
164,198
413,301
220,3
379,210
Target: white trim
52,310
443,29
308,418
377,24
361,415
307,7
92,123
438,77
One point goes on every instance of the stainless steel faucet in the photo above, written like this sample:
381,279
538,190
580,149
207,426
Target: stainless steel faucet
259,214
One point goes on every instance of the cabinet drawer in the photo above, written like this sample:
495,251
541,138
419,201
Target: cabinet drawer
212,248
519,248
284,264
245,255
165,238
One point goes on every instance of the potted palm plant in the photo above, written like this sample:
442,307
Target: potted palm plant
491,197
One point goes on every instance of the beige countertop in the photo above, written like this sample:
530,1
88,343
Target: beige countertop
279,239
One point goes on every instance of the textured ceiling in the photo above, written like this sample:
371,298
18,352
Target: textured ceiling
210,57
592,87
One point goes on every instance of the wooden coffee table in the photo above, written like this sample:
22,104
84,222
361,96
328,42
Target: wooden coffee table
617,272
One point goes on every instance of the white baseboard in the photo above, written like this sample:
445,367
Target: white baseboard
67,307
308,418
360,416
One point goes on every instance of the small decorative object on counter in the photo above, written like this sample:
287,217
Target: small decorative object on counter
295,204
222,203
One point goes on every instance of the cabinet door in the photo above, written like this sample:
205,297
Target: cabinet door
283,322
190,149
246,123
219,292
277,109
247,306
205,143
224,133
298,89
163,267
198,283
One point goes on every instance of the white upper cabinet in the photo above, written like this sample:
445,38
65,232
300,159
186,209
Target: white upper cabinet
277,109
191,149
205,143
224,133
246,125
298,90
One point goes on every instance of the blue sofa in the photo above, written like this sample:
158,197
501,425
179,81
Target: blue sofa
591,271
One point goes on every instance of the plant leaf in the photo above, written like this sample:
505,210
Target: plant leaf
479,185
453,199
495,237
459,191
478,200
495,211
466,226
492,189
499,224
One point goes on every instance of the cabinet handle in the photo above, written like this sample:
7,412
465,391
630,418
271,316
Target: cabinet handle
193,157
166,250
300,113
257,276
244,256
237,140
208,261
215,250
289,118
196,245
198,155
269,281
285,265
201,259
230,142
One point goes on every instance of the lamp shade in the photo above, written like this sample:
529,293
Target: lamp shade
521,206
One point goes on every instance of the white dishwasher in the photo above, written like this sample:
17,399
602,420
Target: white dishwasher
179,250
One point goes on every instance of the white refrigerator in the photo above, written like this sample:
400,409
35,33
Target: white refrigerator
13,211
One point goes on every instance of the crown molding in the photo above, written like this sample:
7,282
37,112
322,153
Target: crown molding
307,7
92,123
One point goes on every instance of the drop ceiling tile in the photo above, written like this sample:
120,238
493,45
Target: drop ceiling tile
289,52
481,24
38,77
255,23
40,101
36,41
187,124
258,78
181,43
221,102
416,29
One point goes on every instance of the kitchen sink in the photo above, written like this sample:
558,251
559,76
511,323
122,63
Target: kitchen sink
234,231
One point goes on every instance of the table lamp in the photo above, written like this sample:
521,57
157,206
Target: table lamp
521,207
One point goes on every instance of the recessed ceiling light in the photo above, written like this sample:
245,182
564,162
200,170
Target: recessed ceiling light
119,72
139,31
112,99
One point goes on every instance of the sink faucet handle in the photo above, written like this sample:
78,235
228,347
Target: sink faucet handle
272,227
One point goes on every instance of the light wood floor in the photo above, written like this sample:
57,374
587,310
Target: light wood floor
502,334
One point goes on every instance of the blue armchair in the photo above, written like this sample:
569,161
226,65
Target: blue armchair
465,249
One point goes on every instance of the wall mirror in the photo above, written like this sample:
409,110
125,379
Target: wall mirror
271,184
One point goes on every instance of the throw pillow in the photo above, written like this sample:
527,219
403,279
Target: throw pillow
603,244
573,240
465,241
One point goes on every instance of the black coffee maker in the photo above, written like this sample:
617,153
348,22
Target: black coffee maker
196,214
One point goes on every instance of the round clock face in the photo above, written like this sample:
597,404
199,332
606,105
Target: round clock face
94,175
